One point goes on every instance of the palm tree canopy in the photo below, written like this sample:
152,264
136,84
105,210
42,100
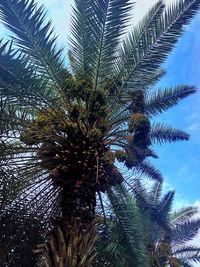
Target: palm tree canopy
63,129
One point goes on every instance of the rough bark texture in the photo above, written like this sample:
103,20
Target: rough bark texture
79,202
69,245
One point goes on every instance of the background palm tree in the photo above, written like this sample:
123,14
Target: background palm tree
63,129
166,234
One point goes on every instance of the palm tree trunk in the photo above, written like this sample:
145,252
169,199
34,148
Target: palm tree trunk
71,242
69,245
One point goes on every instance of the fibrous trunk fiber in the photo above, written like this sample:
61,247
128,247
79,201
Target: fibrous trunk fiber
69,245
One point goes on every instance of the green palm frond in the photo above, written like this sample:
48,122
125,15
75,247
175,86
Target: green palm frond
191,253
182,215
148,170
161,133
156,191
134,40
166,203
20,84
34,37
62,133
13,118
161,100
81,52
97,27
9,184
156,77
129,220
149,205
14,69
144,203
185,232
112,17
158,42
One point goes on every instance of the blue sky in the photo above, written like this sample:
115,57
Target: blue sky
178,162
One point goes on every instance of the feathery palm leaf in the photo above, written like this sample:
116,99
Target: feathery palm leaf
26,20
129,220
97,27
161,100
161,133
183,215
146,169
158,42
185,231
131,43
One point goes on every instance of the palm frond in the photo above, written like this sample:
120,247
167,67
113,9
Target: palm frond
158,42
165,205
150,207
161,100
155,78
20,84
137,37
129,220
161,133
156,191
148,170
82,33
34,37
185,232
183,215
112,17
94,44
187,252
13,67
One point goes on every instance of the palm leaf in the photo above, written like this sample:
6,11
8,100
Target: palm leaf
34,37
185,232
128,217
112,17
161,133
161,100
13,68
136,38
156,191
148,170
155,78
20,83
80,54
166,203
149,206
94,44
188,252
183,215
150,54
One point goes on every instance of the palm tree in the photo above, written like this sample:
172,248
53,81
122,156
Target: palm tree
168,246
64,128
167,234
